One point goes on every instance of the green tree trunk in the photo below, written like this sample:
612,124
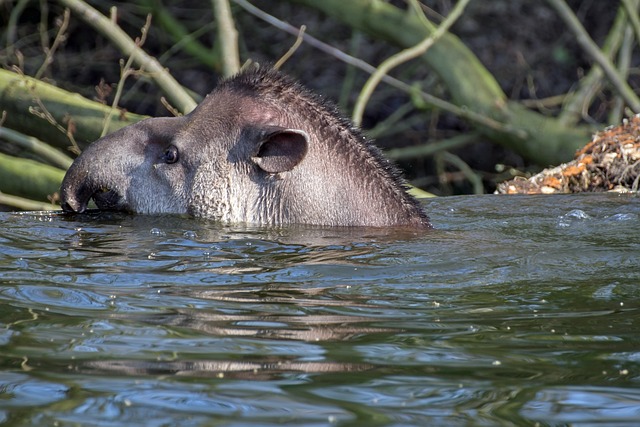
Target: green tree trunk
28,178
541,139
20,93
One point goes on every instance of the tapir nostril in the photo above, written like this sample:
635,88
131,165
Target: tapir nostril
66,207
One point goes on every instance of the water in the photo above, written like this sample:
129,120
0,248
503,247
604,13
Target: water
515,311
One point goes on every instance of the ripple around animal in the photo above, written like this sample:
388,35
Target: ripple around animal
514,311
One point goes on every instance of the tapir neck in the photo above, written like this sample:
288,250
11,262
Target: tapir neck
362,195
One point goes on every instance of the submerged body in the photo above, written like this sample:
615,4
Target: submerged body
259,149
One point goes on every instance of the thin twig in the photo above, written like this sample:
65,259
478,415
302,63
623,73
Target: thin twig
401,57
42,112
44,25
125,72
577,104
589,46
466,170
426,150
169,107
348,82
545,103
310,40
631,7
616,112
228,37
370,69
61,36
391,124
105,26
184,40
12,25
292,49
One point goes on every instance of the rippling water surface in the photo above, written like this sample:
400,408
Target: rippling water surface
514,311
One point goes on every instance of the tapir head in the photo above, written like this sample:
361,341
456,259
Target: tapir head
208,163
157,166
258,149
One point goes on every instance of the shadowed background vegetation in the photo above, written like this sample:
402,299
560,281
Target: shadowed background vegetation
512,87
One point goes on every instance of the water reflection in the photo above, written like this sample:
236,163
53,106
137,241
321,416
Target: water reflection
260,318
311,328
268,368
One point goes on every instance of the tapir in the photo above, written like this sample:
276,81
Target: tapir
260,149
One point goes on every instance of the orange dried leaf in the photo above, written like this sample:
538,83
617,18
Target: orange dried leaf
573,170
552,181
587,160
587,148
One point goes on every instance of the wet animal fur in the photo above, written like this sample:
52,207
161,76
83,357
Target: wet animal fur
272,86
328,173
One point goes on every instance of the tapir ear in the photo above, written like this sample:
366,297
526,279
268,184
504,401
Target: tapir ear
281,150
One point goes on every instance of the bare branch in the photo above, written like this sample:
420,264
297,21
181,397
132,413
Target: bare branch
228,37
292,49
401,57
594,51
429,99
631,6
106,27
125,72
60,37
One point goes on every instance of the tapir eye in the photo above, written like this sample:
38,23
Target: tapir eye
170,155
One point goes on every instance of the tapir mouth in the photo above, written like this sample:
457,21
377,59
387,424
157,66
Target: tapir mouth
104,198
107,199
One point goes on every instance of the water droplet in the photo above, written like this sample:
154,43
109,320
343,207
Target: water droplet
190,235
157,232
577,214
571,216
623,217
